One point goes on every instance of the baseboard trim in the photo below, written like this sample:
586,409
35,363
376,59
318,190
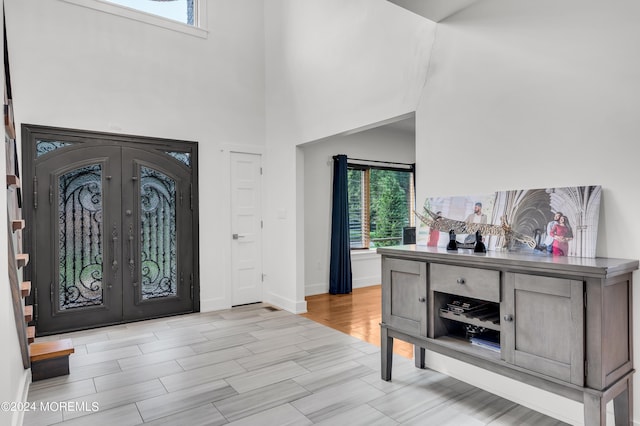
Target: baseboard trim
210,305
295,307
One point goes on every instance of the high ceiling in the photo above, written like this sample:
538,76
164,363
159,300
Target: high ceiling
434,10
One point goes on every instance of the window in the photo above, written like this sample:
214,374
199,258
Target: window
381,203
178,10
185,16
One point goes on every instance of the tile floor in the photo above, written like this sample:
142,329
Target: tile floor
252,366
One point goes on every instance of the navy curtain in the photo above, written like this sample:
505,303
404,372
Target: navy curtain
340,267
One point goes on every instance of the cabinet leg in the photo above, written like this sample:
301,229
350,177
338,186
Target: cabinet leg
386,351
418,355
594,410
623,405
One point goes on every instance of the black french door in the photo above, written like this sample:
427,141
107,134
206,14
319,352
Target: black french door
112,235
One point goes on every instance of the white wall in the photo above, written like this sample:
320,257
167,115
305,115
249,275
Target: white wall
385,143
538,94
331,66
76,67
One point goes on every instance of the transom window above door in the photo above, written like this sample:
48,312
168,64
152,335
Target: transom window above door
178,10
187,16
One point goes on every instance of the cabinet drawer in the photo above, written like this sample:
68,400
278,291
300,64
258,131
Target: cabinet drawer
469,282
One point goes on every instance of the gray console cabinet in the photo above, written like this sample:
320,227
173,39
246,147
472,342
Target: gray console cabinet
565,323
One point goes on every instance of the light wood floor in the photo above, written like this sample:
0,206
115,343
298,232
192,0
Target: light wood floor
357,314
253,365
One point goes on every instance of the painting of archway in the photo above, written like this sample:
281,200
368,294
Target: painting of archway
548,221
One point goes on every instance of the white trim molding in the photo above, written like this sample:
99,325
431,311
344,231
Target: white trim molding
295,307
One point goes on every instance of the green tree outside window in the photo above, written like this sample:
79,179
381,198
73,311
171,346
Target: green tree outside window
380,205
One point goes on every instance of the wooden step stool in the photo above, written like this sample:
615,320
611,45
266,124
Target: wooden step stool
50,359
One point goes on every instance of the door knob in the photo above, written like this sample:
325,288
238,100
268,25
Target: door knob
422,299
460,280
508,317
236,236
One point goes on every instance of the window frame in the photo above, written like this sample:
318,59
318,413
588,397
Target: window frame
198,29
366,166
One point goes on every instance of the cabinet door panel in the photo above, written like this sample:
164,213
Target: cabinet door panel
546,331
404,288
541,325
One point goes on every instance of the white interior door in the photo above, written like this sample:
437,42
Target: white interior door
246,228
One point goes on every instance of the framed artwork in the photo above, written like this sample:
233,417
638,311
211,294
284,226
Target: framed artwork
548,221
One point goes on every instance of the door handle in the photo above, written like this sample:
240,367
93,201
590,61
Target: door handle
114,242
237,236
131,261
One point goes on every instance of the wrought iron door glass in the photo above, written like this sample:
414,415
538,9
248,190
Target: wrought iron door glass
80,238
157,235
183,157
44,147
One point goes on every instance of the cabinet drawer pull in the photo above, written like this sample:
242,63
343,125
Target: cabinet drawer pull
508,317
460,281
422,299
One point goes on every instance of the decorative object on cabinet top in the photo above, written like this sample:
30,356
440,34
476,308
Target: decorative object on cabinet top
552,221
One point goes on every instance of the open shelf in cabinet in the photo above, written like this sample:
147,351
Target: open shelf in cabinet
484,314
462,344
476,322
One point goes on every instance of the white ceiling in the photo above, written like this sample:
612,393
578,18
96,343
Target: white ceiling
434,10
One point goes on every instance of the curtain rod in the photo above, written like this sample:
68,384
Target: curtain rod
376,161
